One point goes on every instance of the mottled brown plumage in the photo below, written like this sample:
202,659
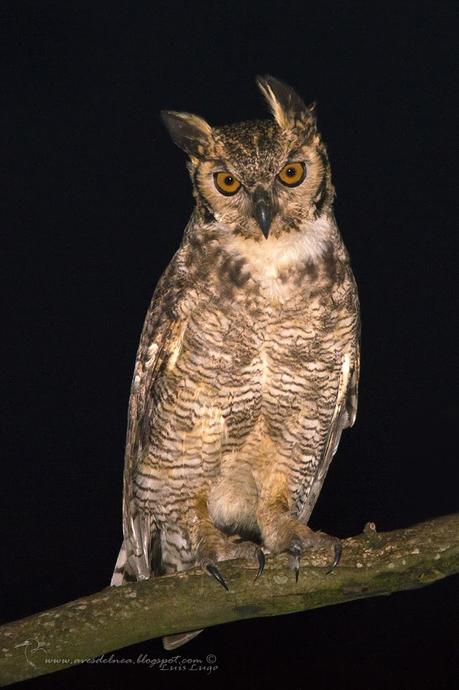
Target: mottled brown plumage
247,368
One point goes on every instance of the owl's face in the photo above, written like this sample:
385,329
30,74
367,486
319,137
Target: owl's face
258,179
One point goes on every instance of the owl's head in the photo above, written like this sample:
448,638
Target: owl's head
261,178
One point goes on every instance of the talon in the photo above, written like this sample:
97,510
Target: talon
261,564
294,562
214,571
337,555
295,553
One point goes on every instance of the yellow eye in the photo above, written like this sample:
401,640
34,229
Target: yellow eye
292,174
226,183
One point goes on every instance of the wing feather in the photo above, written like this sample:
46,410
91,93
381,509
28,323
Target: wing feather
163,329
344,414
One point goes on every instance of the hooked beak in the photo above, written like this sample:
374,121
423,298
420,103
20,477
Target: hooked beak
263,210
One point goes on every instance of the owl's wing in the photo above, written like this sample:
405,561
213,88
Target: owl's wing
343,416
161,335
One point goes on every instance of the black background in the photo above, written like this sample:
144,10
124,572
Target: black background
97,198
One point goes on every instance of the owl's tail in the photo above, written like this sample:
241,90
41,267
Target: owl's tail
174,641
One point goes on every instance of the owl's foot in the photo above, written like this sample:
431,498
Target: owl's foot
283,533
314,540
227,550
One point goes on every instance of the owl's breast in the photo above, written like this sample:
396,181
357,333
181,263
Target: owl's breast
266,351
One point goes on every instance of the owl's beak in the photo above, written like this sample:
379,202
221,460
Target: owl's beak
263,210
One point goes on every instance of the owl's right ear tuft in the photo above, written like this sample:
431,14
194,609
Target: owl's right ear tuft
285,104
190,132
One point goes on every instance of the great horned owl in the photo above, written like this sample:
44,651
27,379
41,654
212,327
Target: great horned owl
247,367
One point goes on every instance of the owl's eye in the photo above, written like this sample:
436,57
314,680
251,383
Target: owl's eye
292,174
226,183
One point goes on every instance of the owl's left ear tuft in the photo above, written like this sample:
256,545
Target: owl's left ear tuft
285,104
190,132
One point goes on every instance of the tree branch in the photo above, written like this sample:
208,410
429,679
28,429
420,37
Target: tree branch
372,564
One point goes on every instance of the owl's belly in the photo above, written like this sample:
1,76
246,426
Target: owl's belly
278,420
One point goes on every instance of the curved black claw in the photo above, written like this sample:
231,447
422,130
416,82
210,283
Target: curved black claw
294,560
338,550
261,563
214,571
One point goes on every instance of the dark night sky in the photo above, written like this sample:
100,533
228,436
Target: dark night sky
97,198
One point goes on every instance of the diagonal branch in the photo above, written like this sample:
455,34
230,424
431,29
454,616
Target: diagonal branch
372,564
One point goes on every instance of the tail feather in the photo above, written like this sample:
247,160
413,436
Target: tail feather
173,641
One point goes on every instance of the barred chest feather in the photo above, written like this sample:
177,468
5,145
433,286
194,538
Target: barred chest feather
275,334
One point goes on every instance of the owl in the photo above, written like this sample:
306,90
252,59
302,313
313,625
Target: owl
248,363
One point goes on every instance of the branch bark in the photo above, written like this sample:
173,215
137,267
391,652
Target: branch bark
372,564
